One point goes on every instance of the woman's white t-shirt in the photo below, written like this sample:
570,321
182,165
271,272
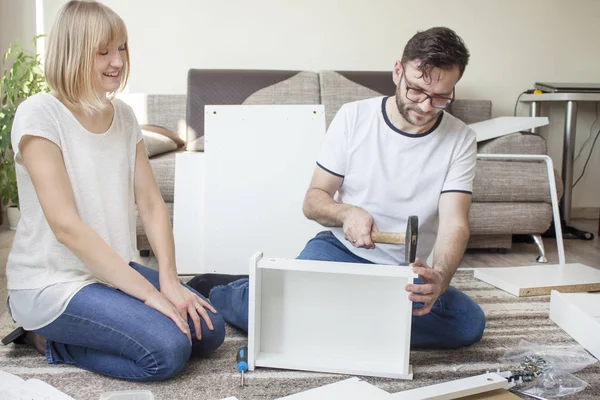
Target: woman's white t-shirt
42,274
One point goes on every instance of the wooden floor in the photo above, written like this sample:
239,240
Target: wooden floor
576,251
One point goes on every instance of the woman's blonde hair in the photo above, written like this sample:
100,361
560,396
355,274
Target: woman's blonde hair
81,29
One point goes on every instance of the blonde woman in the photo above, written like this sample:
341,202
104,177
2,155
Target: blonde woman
81,170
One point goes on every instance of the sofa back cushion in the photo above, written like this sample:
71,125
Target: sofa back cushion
340,87
219,87
164,110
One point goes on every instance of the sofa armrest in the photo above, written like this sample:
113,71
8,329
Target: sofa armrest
515,143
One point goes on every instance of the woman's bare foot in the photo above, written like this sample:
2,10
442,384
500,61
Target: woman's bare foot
36,341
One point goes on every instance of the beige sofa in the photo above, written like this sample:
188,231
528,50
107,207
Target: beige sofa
508,198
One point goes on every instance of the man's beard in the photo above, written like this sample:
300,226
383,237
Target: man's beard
404,109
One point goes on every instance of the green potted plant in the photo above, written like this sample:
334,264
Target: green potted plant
22,77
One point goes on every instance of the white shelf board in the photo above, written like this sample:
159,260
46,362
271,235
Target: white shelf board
560,97
525,281
336,267
332,365
455,389
578,314
349,389
496,127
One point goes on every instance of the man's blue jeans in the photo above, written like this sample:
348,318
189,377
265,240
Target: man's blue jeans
455,319
107,331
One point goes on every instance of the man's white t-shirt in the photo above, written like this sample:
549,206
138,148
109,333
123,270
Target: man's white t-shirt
393,174
42,274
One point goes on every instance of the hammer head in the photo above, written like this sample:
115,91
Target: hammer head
410,241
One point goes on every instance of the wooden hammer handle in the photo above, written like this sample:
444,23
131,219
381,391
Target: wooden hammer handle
388,237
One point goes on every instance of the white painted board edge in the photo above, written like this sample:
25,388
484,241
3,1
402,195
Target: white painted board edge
513,279
582,326
334,366
455,389
500,126
336,267
254,307
349,389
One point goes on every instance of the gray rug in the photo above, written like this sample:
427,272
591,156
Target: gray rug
510,319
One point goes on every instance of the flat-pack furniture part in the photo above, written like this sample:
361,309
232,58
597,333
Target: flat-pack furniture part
578,314
540,280
329,317
348,389
455,389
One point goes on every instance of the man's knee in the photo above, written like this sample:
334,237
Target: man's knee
474,325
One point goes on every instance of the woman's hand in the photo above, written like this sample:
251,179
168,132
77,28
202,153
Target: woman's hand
160,303
187,302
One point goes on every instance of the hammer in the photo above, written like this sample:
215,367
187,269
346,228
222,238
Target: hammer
409,240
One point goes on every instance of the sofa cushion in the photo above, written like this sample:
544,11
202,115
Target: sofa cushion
502,181
471,111
302,88
341,87
157,144
515,143
163,167
166,110
164,132
213,87
509,218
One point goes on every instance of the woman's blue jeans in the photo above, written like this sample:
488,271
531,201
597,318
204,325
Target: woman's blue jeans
109,332
455,319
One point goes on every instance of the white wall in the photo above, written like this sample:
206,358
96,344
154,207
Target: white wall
17,25
513,43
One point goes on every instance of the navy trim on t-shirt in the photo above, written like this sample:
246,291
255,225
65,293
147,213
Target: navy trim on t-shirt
331,172
457,191
411,135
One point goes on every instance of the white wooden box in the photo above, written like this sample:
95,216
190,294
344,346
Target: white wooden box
578,314
329,317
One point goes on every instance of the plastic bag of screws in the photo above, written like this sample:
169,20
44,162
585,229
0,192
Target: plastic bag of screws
546,371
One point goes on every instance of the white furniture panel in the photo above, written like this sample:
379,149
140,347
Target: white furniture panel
455,389
578,314
188,213
496,127
329,317
538,280
349,389
259,163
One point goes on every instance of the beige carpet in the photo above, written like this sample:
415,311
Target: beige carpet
510,319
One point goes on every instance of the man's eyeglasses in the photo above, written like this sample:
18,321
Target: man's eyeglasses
419,96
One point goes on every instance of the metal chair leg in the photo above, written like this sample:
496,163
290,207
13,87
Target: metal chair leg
537,238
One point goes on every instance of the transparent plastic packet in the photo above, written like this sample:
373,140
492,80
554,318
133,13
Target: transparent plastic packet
546,372
553,384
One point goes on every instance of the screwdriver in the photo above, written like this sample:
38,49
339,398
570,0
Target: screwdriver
242,361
